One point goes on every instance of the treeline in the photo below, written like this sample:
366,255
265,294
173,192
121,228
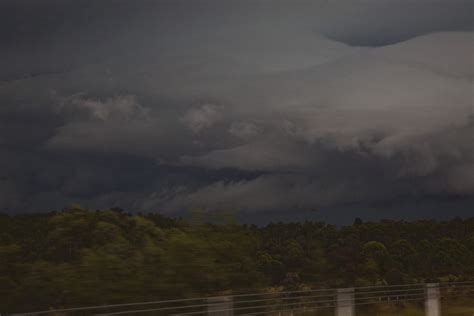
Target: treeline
81,257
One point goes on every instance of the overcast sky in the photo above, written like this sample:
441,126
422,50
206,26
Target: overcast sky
356,108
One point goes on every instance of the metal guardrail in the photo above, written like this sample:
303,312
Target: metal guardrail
343,301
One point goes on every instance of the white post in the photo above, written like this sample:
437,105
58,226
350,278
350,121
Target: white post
345,302
432,305
220,306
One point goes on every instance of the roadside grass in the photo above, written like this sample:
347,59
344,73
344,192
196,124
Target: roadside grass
460,307
465,308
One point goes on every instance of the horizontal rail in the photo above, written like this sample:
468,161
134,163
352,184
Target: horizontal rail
387,298
306,298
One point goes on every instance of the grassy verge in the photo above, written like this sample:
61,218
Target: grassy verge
460,308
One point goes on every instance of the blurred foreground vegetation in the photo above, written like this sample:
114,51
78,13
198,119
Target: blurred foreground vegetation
81,257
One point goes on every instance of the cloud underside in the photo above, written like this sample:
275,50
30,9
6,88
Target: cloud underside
285,119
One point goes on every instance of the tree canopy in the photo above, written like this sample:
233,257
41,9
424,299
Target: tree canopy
80,257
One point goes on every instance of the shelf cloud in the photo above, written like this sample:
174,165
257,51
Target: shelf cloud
251,107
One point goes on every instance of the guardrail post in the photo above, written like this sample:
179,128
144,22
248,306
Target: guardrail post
432,305
220,306
345,302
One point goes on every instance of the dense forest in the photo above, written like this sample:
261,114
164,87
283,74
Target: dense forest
81,257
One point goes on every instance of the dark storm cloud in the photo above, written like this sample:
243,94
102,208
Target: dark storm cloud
378,23
54,36
248,106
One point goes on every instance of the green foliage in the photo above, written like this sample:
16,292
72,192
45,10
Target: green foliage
82,257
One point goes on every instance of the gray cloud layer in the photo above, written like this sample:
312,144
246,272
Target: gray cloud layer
172,105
